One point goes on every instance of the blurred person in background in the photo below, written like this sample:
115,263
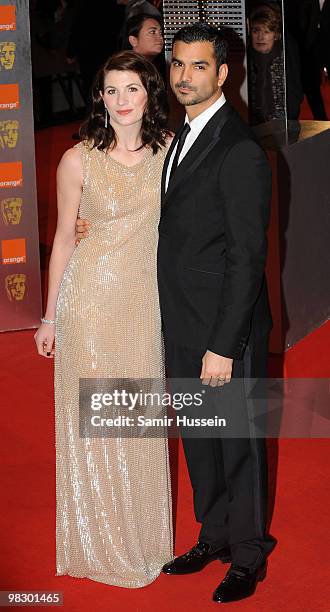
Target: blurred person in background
50,26
271,87
309,22
144,34
94,37
135,7
132,9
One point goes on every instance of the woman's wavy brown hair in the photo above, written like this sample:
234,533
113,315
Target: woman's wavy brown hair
154,122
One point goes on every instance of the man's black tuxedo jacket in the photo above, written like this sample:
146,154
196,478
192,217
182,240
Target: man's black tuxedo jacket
212,240
307,22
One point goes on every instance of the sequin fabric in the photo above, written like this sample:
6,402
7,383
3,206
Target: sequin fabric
113,512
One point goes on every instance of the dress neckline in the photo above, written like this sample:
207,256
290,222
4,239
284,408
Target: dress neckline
146,155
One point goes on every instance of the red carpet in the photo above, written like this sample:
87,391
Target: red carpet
300,523
299,569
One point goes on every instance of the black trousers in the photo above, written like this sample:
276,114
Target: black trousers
228,475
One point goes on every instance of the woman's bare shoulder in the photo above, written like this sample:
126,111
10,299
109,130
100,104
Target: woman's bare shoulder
71,163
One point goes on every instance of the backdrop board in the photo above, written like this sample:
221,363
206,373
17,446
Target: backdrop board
20,294
298,265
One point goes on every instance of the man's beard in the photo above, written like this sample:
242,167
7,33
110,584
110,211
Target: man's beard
187,101
190,101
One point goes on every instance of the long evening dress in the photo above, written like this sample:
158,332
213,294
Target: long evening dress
113,513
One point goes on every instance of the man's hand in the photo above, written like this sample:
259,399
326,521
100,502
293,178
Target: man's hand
82,227
216,370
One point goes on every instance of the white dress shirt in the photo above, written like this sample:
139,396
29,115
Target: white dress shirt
196,126
321,4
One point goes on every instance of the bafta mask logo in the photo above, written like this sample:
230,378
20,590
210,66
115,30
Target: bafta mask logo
7,55
15,287
11,209
8,134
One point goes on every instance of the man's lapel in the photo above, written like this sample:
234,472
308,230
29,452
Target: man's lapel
205,142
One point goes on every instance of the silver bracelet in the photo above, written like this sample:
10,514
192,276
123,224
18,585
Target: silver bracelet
47,321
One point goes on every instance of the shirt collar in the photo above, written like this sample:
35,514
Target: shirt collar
197,124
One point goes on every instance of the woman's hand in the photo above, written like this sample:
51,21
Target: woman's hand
44,339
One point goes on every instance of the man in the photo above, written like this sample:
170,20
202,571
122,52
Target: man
309,21
216,190
212,250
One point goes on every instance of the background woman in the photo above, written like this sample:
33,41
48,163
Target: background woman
144,34
275,89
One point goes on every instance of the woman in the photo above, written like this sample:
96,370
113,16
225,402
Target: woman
144,34
274,92
113,494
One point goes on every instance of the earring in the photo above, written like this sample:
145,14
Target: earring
105,117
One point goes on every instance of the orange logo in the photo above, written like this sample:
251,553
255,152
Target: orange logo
8,134
7,18
13,251
11,209
11,174
7,55
9,97
15,287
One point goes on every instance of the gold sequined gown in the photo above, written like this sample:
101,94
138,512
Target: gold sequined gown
113,513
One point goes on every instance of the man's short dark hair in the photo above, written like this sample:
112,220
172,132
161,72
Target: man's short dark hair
204,32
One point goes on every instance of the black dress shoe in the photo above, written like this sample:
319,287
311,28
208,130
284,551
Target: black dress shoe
239,583
196,559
